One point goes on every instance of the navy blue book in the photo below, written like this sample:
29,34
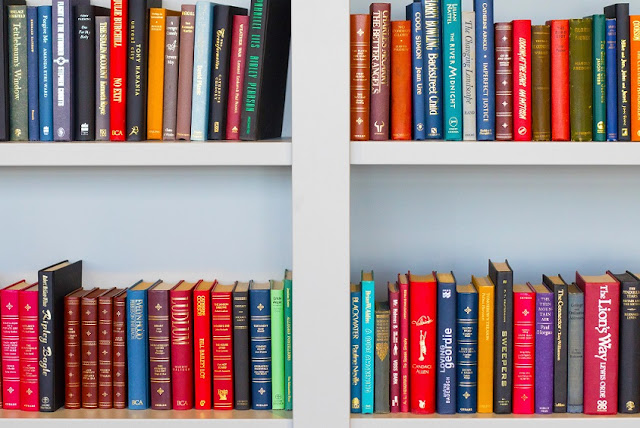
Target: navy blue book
485,71
260,346
432,52
356,346
446,374
414,15
467,348
45,97
612,80
32,72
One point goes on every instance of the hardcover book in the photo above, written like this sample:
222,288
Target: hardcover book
524,327
170,90
236,74
485,66
118,71
102,78
260,320
159,346
599,78
504,81
446,325
414,15
277,345
72,348
222,333
452,51
120,350
380,71
403,284
544,346
541,82
45,97
611,56
486,298
381,362
105,348
241,347
502,277
522,80
181,302
561,336
18,105
581,79
368,339
203,43
467,348
620,12
185,72
401,80
202,343
288,339
32,72
575,350
28,346
432,52
356,348
469,75
394,347
560,112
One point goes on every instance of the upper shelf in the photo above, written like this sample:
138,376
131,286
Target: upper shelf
493,153
267,153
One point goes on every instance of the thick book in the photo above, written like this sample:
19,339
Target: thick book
288,340
561,336
581,79
72,349
634,71
401,80
469,75
504,81
414,15
181,303
277,345
380,71
446,344
540,82
222,333
159,346
599,66
544,347
381,362
202,345
170,89
575,350
611,72
501,275
524,328
393,292
105,348
486,298
432,52
522,80
260,349
452,66
185,72
28,346
54,282
403,284
236,74
241,347
485,75
33,72
18,72
422,342
120,350
203,44
620,12
102,78
356,348
560,111
155,74
466,348
368,288
601,327
45,95
118,53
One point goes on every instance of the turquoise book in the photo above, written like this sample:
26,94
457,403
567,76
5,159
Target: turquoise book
599,78
452,59
368,339
288,341
203,43
356,348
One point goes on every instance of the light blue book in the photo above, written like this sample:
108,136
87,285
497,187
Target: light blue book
203,43
368,340
452,53
45,96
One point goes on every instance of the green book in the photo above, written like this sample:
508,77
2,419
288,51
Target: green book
288,341
18,104
599,79
277,345
581,79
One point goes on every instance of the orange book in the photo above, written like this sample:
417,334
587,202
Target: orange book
401,80
635,77
486,293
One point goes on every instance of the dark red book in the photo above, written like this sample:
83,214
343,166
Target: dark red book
601,322
105,349
394,347
120,350
380,71
524,336
28,328
118,69
73,349
560,113
422,342
182,345
236,75
222,332
504,81
522,80
403,284
202,341
159,345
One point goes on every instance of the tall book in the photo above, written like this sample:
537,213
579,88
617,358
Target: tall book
356,348
202,345
72,349
381,362
401,80
288,339
432,52
19,103
485,75
575,350
452,51
236,75
277,345
155,97
33,72
544,348
560,334
446,344
612,80
620,11
393,292
522,80
403,284
467,348
560,111
185,71
54,282
414,15
634,72
524,328
120,350
504,81
422,342
118,51
581,78
222,333
469,75
599,65
181,302
501,275
45,96
541,82
105,348
380,71
486,298
159,346
260,327
170,90
203,43
28,346
368,288
241,347
102,78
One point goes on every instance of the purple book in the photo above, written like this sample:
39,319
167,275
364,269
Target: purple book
544,349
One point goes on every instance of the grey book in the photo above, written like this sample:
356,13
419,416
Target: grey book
381,360
102,78
172,48
18,104
576,350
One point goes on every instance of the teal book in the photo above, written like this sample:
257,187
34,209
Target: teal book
277,345
452,59
599,78
288,341
356,348
368,340
203,43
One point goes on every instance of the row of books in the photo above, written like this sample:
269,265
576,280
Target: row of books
456,75
495,347
139,71
153,345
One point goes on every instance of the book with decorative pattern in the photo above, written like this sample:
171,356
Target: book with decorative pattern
120,350
504,81
105,348
28,343
466,348
159,345
222,334
260,327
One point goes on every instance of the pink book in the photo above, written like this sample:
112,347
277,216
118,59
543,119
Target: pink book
28,342
236,75
404,343
394,372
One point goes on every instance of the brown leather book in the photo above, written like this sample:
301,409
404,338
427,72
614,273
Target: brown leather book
401,72
380,71
504,81
105,348
541,82
159,345
185,72
360,76
120,350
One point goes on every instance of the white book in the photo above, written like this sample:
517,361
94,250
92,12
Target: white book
469,75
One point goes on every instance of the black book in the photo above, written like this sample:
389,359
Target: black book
54,282
560,333
241,367
629,343
620,12
381,359
4,67
265,76
137,57
219,92
502,277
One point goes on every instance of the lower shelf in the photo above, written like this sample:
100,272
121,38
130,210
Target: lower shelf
490,420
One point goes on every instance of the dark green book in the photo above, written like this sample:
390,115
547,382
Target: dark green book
599,79
18,92
581,79
381,360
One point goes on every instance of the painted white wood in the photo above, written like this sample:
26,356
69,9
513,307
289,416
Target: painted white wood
555,420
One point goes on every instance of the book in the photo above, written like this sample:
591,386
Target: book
222,333
414,15
581,78
118,79
544,349
401,80
241,347
277,345
54,282
452,59
159,325
102,78
524,327
155,97
467,348
185,71
446,344
611,72
18,105
45,97
486,298
236,75
380,71
368,288
4,69
432,53
469,75
381,362
105,348
560,334
560,111
422,342
288,339
403,284
33,72
485,75
393,292
541,82
202,345
28,347
181,302
634,73
501,275
260,326
575,350
170,89
601,323
120,350
620,11
356,348
203,43
599,78
522,80
72,348
504,80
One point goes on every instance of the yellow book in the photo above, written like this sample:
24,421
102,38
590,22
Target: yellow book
486,297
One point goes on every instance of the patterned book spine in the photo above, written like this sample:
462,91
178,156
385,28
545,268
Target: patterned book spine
73,353
120,351
356,348
89,348
203,42
105,352
202,342
504,81
432,54
401,80
28,322
404,347
181,349
486,313
422,353
171,49
469,75
447,347
10,341
629,353
467,351
414,15
62,54
581,79
560,333
381,359
634,72
222,333
368,345
380,71
544,353
45,101
241,349
575,352
524,326
260,310
541,82
137,350
485,70
236,75
18,106
599,78
32,72
277,345
118,70
360,76
452,51
612,81
560,112
185,72
84,73
620,12
155,97
288,340
159,348
394,350
102,78
522,80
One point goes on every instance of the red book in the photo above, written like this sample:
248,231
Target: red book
120,351
182,345
524,336
404,342
422,342
105,349
118,69
222,332
202,340
601,316
236,75
28,328
394,372
560,113
522,80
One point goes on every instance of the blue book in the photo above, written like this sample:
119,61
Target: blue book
260,347
485,71
356,348
432,54
368,339
612,80
467,349
32,72
203,43
45,97
138,346
452,47
414,14
446,324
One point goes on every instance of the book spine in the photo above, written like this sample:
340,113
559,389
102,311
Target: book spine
28,342
404,348
137,350
394,350
277,349
288,344
504,81
612,80
634,73
503,344
4,83
181,349
105,352
485,74
102,78
447,348
368,345
561,319
9,317
524,327
624,80
73,353
260,320
202,341
452,51
46,344
360,66
18,106
203,42
118,76
599,78
581,78
414,15
84,74
137,51
241,343
185,72
380,71
541,82
155,97
222,331
120,351
629,388
89,347
432,54
62,54
356,352
422,343
381,361
33,71
467,352
401,80
45,101
469,75
522,80
486,297
575,353
172,47
236,74
159,349
544,353
560,112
